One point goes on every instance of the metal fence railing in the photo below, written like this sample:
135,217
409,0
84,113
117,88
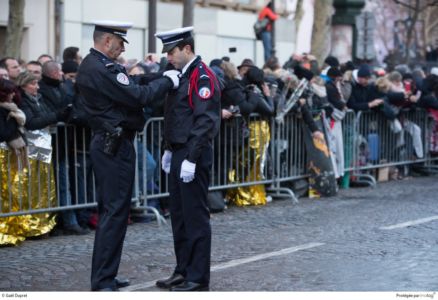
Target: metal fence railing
370,142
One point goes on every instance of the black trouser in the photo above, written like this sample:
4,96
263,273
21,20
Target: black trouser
190,217
114,180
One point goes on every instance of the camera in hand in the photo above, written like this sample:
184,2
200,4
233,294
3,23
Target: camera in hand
112,141
234,109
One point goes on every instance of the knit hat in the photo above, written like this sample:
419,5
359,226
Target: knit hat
334,72
364,71
215,62
70,66
25,78
332,61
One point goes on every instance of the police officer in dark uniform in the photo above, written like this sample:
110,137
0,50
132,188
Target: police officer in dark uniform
113,102
191,121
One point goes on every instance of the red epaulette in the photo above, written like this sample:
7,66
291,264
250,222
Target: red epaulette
203,93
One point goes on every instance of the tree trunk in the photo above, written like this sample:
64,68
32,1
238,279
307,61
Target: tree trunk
410,32
321,32
431,25
14,32
189,7
299,12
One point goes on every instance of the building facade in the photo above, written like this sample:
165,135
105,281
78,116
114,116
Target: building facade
219,25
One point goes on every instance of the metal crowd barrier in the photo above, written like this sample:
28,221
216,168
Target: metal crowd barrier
381,143
370,142
231,151
288,153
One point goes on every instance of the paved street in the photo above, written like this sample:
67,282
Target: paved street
346,243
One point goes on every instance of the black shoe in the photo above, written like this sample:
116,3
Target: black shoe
122,282
107,289
173,280
75,230
188,286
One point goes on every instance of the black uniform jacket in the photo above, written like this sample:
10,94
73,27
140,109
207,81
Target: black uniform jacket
197,124
111,96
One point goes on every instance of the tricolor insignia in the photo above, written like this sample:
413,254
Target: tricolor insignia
204,93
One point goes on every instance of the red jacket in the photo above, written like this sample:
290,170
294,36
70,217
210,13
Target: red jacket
266,12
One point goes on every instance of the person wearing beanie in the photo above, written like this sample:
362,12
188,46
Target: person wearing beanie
329,62
364,71
364,94
70,69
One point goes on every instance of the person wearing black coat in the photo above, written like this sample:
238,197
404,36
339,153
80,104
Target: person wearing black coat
113,102
38,113
56,98
366,96
258,93
333,95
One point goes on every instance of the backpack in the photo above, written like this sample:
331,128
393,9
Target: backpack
260,26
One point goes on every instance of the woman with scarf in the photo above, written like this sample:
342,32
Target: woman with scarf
13,163
31,179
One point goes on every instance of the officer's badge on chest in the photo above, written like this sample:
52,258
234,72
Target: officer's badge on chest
123,79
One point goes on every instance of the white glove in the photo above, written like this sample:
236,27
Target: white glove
165,161
174,76
187,171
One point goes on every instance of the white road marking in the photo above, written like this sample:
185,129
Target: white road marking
235,263
410,223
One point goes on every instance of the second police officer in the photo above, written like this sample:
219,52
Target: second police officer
114,102
191,121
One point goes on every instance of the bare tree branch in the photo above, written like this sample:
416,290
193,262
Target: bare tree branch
404,4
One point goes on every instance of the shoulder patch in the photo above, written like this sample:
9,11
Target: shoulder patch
122,78
204,92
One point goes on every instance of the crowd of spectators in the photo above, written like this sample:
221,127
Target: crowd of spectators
38,95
